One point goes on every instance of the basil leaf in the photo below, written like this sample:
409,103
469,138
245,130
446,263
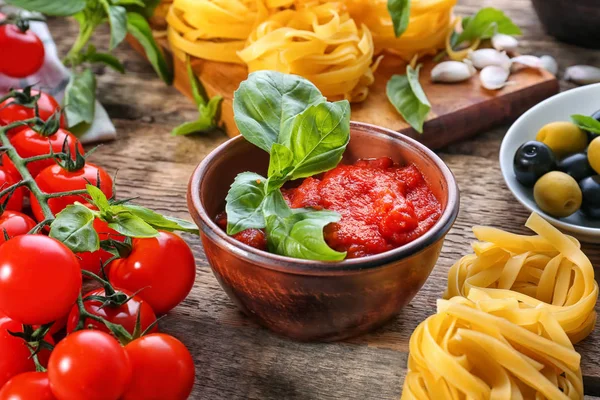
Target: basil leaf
161,222
275,204
280,165
138,3
407,96
266,103
301,235
80,98
400,12
206,122
58,8
74,226
117,18
485,24
133,226
144,7
244,203
108,59
319,138
586,123
139,28
98,197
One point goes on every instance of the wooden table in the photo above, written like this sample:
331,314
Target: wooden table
235,359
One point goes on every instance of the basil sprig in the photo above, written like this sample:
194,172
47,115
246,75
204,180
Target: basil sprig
399,11
586,123
74,225
407,96
486,23
305,135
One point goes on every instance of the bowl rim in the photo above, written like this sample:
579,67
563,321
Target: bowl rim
291,265
507,169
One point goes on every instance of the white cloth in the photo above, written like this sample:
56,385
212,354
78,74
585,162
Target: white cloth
53,78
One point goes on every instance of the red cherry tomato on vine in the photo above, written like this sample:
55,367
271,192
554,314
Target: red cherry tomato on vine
162,369
22,52
125,315
92,261
30,143
16,356
40,279
89,365
54,179
162,266
15,224
16,199
28,386
47,106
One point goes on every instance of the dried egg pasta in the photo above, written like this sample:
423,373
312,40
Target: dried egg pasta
515,309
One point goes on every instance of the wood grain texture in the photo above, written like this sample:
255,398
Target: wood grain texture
236,359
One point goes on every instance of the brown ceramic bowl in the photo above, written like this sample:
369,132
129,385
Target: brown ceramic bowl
310,300
572,21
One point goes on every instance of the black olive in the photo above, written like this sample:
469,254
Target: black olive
590,190
591,136
576,165
532,160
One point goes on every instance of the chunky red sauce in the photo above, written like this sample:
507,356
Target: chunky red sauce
382,205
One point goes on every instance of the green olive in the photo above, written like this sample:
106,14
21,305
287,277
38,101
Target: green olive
563,138
557,194
593,154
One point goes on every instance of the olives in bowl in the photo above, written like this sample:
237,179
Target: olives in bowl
563,166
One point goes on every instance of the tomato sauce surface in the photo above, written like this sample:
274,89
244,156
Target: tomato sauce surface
383,206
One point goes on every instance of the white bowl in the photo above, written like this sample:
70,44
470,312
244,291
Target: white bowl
584,100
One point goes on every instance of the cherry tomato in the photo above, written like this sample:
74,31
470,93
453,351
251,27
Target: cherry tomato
125,315
55,179
89,365
16,199
28,386
15,224
92,261
162,266
23,52
16,356
40,279
29,143
47,106
162,369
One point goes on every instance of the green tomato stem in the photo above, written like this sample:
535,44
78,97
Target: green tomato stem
73,57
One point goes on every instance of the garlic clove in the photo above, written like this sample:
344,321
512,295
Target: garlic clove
504,42
527,61
493,77
485,57
452,71
549,64
583,74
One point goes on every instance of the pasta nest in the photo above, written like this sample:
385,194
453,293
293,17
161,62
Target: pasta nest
529,273
515,309
464,352
321,43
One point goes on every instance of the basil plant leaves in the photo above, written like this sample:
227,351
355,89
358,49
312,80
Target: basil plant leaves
305,135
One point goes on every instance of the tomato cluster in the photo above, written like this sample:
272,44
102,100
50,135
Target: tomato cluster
55,342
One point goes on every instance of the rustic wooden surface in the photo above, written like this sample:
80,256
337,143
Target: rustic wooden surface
236,359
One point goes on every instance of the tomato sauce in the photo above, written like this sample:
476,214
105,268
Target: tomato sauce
383,206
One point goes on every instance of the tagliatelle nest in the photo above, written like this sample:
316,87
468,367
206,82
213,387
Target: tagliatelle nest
463,352
321,43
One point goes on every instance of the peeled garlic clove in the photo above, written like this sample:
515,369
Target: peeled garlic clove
504,42
528,61
486,57
493,77
452,71
549,64
582,74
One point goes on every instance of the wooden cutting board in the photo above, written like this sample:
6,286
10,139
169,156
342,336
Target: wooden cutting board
459,110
